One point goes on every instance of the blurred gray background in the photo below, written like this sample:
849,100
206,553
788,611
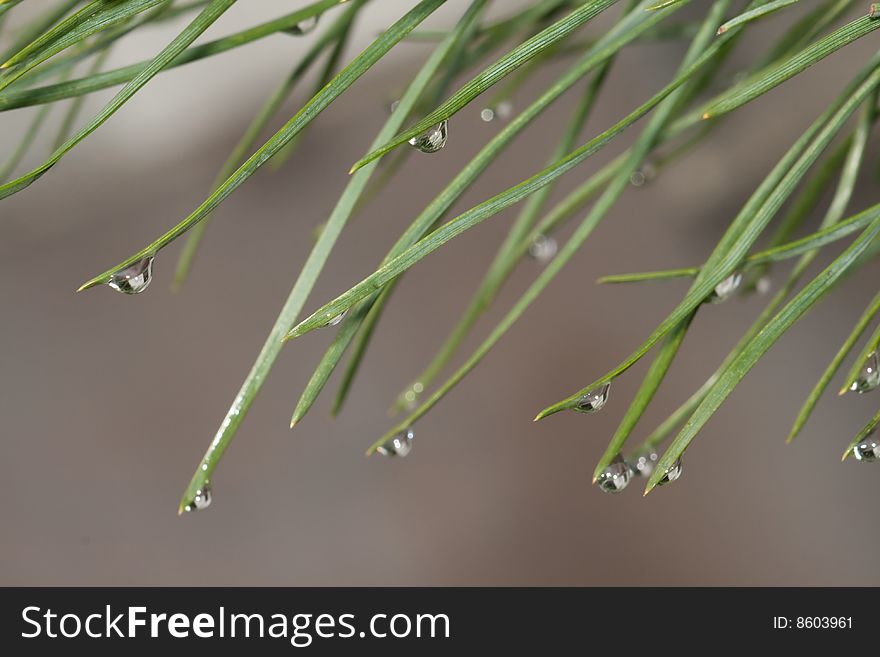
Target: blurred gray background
107,402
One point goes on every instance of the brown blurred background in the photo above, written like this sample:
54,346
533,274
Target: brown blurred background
107,402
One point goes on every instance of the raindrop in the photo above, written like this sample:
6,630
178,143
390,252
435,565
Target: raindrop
615,477
304,26
644,175
433,139
595,400
135,278
503,111
764,285
399,445
869,377
202,499
336,320
543,249
644,463
726,288
672,473
868,450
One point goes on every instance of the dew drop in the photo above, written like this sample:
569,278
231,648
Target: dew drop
726,288
202,499
764,285
392,108
615,477
304,26
672,473
644,175
503,111
399,445
644,463
869,377
543,249
595,400
868,450
433,139
336,320
135,278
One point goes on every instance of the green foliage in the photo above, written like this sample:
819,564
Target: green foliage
38,68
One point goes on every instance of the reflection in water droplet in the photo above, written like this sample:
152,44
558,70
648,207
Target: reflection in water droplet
543,249
502,110
304,26
869,377
615,477
672,473
644,463
726,288
433,139
867,450
202,499
335,321
399,445
594,400
135,278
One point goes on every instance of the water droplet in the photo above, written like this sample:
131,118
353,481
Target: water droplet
336,320
595,400
304,26
503,111
644,463
202,499
543,249
392,108
726,288
869,377
764,285
868,450
399,445
615,477
644,175
433,139
135,278
672,473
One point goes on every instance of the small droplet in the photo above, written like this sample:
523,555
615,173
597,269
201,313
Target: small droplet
672,473
726,288
202,499
503,111
644,175
595,400
764,285
644,463
135,278
543,249
399,445
615,477
336,320
392,108
869,377
304,26
433,139
867,450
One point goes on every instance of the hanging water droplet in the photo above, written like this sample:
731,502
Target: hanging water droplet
764,285
304,26
502,110
642,176
671,473
399,445
869,377
411,396
644,463
336,320
595,400
433,139
201,500
543,249
615,477
726,288
135,278
868,450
